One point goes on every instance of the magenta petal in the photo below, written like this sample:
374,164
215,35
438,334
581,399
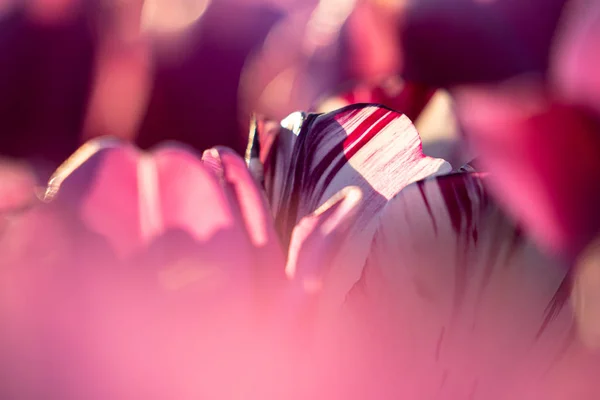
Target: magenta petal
543,160
251,202
100,183
460,303
252,208
131,197
173,317
190,197
577,55
17,186
318,238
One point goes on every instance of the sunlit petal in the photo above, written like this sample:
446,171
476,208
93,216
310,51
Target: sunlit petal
371,147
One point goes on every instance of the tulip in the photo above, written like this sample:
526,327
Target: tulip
449,283
576,51
148,274
343,264
522,127
318,155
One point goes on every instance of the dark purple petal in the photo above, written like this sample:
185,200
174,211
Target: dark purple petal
464,41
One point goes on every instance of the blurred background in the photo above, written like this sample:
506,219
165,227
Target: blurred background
195,70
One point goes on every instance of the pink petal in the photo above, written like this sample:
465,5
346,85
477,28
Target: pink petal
191,198
131,197
542,156
267,256
45,265
176,320
577,55
459,303
100,182
317,239
17,185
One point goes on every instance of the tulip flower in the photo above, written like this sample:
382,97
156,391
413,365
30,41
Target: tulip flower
522,127
141,264
444,258
343,264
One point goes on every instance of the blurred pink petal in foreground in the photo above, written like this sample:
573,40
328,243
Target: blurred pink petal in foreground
542,153
17,185
577,55
148,270
541,139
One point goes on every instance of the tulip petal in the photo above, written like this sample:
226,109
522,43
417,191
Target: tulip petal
100,183
17,186
371,147
460,304
542,155
191,197
172,317
268,258
315,243
359,145
318,237
131,197
577,55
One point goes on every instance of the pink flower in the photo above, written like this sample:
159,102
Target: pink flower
370,271
536,136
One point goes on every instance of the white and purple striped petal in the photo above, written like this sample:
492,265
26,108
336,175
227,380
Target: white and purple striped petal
460,304
371,147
